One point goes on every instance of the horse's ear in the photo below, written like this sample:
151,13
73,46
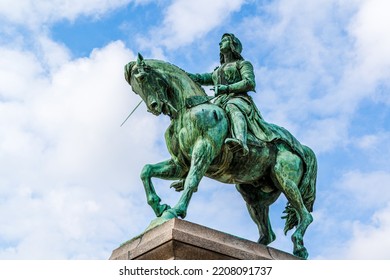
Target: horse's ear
140,59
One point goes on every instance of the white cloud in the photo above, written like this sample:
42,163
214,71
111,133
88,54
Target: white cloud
354,217
370,28
33,13
368,189
187,21
370,141
370,241
375,149
325,134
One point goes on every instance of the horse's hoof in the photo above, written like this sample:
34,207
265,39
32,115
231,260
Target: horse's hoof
178,185
165,216
263,241
301,253
169,214
161,209
267,240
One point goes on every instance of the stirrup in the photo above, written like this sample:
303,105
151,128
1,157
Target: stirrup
236,145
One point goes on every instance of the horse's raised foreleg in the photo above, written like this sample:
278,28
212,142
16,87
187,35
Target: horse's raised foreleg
202,156
287,174
257,203
168,170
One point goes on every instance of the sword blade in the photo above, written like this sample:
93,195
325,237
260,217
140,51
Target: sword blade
131,113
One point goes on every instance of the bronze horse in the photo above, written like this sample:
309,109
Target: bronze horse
195,140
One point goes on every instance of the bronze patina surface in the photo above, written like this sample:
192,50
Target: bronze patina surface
224,138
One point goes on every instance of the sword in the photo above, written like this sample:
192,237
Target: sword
215,89
131,113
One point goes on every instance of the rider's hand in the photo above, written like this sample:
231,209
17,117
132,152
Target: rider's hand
221,89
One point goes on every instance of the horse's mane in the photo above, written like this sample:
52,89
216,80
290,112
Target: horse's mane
175,76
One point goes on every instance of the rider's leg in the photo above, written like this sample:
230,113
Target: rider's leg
238,127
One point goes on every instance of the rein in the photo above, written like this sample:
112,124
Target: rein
189,102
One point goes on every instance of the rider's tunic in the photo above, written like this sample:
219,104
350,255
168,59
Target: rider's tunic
240,78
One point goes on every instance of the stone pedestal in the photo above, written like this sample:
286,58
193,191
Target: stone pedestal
182,240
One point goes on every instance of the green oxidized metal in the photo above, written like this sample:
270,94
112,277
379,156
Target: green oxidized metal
224,138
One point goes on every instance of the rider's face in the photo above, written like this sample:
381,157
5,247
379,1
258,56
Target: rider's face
224,45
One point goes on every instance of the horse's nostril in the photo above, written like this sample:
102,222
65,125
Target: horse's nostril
153,105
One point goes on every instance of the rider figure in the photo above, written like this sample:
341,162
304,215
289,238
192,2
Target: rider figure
232,80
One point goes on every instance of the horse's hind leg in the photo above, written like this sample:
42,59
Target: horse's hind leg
286,175
257,203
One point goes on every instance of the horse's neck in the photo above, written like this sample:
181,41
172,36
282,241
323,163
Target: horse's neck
182,88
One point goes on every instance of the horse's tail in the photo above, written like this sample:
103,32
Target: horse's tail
307,188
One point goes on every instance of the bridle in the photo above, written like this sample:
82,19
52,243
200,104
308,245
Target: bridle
159,85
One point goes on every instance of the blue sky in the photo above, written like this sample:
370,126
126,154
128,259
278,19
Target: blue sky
69,174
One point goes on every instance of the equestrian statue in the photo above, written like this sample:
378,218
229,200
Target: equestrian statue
224,137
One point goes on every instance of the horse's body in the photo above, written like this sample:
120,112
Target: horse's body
195,140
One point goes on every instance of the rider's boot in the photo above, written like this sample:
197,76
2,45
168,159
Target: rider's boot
239,129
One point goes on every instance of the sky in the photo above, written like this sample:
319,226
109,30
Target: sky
69,174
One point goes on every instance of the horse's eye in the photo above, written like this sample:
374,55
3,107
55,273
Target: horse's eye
140,77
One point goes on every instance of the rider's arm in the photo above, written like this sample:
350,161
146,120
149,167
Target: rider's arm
203,79
247,82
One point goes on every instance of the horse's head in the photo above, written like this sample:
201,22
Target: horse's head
150,85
